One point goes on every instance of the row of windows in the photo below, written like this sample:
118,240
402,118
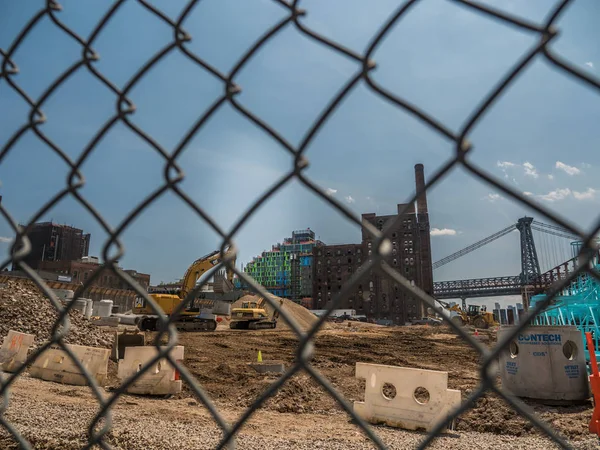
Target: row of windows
339,252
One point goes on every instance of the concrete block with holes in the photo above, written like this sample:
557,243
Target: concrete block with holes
55,365
13,352
413,399
160,379
545,363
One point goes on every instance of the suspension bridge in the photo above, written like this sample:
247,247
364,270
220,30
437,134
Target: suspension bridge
544,261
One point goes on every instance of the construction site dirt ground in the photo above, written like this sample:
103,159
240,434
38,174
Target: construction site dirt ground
301,414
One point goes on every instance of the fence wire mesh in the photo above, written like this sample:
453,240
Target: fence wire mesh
113,248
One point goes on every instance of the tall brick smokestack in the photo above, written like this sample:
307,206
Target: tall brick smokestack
420,180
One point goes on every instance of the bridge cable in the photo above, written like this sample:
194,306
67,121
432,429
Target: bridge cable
474,246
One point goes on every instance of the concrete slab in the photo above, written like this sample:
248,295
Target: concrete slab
55,365
413,399
268,366
14,350
161,379
126,339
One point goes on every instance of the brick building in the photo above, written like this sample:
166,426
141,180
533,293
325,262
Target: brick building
333,265
54,242
378,297
79,272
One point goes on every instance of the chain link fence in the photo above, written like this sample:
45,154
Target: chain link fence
173,175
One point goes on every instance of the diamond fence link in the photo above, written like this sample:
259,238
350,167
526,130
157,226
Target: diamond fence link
113,248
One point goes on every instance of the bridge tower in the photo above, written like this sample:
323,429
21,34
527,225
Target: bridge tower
530,265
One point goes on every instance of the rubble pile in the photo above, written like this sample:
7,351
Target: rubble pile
25,309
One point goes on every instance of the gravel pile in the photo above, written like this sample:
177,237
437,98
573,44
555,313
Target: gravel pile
53,416
24,308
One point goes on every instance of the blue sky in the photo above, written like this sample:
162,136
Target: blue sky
541,137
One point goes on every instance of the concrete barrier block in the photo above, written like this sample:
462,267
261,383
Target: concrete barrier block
55,365
160,379
545,363
13,352
413,399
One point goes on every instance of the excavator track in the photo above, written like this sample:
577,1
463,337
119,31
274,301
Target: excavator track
252,325
150,323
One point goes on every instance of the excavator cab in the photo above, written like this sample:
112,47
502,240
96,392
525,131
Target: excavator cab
474,310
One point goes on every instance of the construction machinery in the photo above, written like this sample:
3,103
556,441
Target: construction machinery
253,315
201,313
475,315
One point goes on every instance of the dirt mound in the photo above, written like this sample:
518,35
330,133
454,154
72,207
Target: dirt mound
25,309
303,317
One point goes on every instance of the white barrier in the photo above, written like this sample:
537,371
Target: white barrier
408,407
55,365
161,379
13,352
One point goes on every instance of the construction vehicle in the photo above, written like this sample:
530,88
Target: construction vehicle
479,317
201,314
475,315
252,315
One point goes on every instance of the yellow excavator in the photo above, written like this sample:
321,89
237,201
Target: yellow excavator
194,317
252,315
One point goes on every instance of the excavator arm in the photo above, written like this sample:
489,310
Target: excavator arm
199,268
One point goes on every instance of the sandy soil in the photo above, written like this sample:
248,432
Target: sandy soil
301,414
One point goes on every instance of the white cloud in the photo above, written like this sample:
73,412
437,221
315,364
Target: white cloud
527,193
505,164
556,195
349,199
587,195
5,239
590,64
530,170
443,232
492,197
330,191
567,169
551,177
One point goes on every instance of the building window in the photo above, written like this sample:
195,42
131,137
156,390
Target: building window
395,262
359,251
328,261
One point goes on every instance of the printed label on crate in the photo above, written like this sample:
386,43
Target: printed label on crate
540,339
511,368
572,371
